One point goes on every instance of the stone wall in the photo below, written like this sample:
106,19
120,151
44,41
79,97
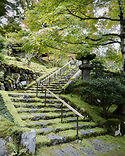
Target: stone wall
15,78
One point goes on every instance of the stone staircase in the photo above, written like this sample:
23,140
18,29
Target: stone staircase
41,111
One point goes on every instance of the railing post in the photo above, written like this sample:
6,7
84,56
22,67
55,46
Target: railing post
42,87
54,77
49,80
77,127
69,66
61,113
37,89
45,97
60,72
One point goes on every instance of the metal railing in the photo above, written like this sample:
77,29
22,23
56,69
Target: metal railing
59,72
53,76
65,104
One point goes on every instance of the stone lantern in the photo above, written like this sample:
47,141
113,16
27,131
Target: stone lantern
85,66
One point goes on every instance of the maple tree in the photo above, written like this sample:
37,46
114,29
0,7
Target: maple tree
76,25
12,12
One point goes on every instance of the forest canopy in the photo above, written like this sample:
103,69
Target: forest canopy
70,27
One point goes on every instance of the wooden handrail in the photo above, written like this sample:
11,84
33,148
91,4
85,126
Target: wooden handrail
63,102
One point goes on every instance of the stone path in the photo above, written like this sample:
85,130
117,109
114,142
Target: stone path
44,115
93,148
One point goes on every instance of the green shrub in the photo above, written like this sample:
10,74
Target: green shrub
1,47
72,87
104,93
98,69
1,43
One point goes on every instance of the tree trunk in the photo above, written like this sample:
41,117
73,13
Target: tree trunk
123,42
122,33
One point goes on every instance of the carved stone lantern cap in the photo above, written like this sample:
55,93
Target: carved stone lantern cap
85,56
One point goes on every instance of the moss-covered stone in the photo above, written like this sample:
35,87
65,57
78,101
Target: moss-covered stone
4,111
12,112
7,128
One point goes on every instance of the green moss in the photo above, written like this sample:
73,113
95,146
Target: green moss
93,111
85,143
35,67
117,142
72,133
49,115
72,78
32,99
10,106
4,111
41,77
42,140
65,86
7,128
10,81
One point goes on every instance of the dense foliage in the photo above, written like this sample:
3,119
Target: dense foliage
103,92
1,47
72,26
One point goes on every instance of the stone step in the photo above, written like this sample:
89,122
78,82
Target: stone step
57,125
35,100
48,86
54,87
46,127
32,95
59,82
67,136
40,124
53,122
41,110
37,105
45,116
33,91
64,126
40,92
22,95
56,91
43,90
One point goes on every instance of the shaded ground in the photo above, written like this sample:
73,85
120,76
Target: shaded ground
35,67
96,146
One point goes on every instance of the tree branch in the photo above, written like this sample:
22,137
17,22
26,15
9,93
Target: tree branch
50,46
99,39
74,42
117,35
92,18
104,44
121,9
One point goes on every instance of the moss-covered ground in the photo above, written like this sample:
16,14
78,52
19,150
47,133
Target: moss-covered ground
91,110
11,109
118,144
35,67
23,115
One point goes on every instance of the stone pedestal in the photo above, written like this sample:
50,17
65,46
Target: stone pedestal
85,66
